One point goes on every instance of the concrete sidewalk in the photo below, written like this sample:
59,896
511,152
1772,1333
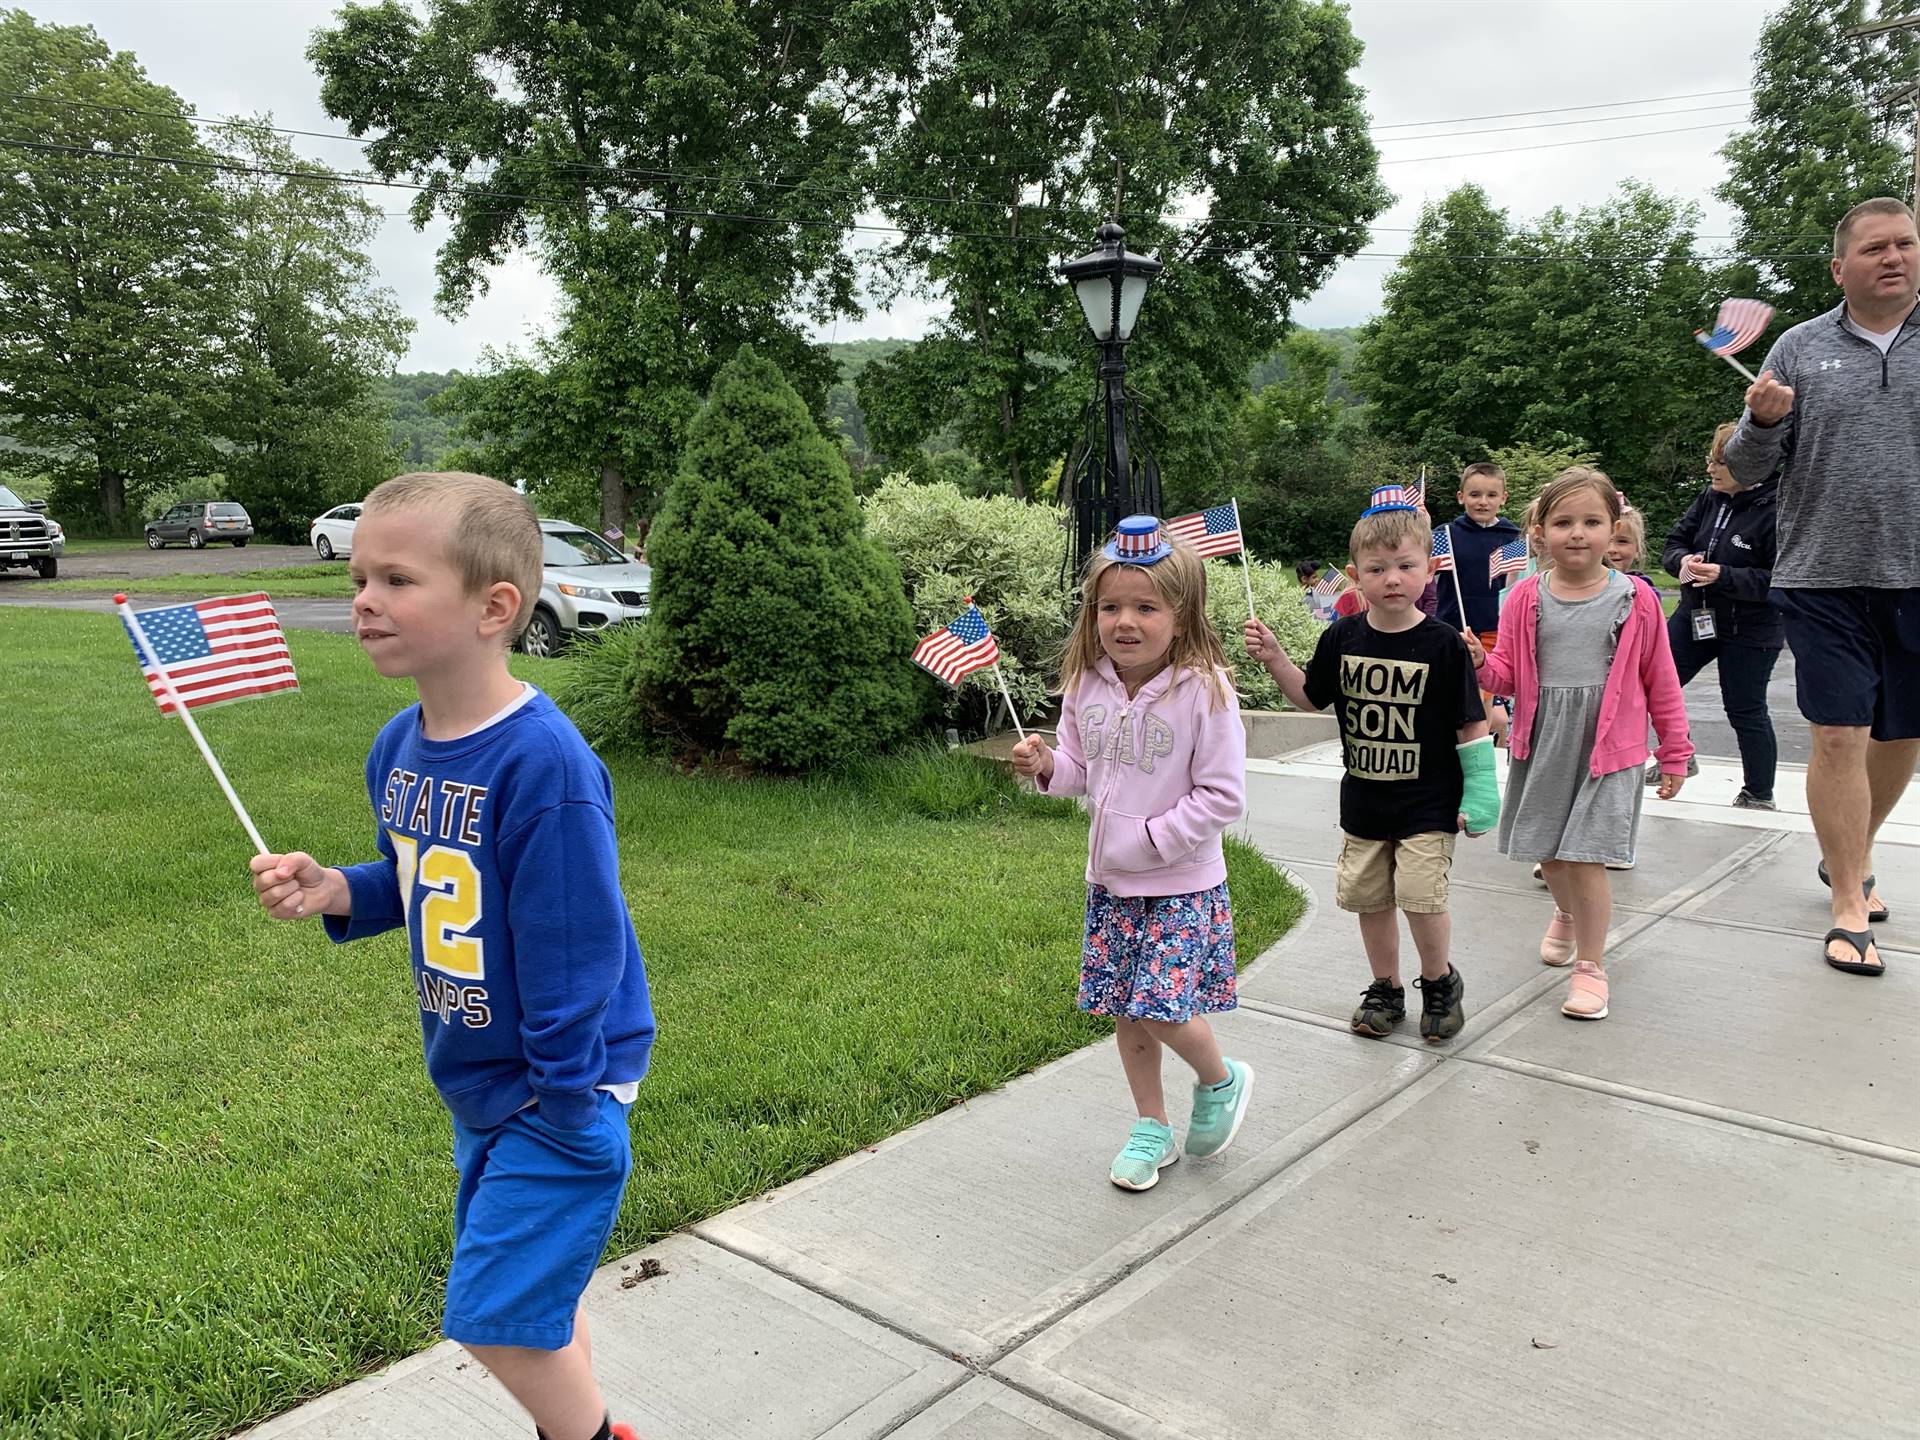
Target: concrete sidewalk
1697,1218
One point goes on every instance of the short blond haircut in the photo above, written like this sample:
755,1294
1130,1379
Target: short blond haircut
1636,524
1880,205
1717,451
1180,580
1389,530
495,534
1483,467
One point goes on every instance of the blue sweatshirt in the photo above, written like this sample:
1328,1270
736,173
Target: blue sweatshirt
1473,547
498,857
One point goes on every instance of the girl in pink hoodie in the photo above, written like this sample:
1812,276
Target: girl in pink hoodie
1583,651
1150,731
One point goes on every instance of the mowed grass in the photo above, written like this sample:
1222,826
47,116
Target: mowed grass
322,580
224,1178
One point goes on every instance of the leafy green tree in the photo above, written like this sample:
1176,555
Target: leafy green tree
778,628
682,170
1435,373
1815,146
111,271
309,330
1228,136
422,426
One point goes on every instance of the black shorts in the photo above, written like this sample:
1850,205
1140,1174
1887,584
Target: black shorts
1856,657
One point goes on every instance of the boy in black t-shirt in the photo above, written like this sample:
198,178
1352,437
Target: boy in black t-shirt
1418,755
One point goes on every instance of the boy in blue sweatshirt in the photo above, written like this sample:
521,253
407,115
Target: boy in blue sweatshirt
1476,534
495,832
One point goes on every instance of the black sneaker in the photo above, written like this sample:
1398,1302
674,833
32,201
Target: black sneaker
1441,1014
1747,800
1383,1005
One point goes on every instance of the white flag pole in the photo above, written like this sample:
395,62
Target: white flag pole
1246,559
1454,569
173,696
1012,714
1752,378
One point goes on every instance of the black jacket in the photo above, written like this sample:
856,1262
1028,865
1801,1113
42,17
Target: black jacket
1735,532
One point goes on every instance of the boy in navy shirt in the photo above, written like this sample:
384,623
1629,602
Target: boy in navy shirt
495,832
1476,533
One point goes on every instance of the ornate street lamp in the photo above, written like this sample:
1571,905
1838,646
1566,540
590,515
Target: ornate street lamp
1109,479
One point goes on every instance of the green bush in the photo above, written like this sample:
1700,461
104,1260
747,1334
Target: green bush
596,689
1278,599
1004,552
778,629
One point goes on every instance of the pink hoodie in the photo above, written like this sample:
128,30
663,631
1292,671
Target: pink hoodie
1167,770
1641,683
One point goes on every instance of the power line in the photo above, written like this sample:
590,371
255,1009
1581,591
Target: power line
1565,109
1561,124
742,217
1554,145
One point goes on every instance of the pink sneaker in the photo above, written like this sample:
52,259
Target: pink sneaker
1586,993
1557,946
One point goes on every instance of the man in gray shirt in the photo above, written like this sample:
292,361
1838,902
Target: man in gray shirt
1836,411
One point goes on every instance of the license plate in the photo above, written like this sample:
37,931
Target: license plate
20,555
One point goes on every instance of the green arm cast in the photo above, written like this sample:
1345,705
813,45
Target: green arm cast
1480,791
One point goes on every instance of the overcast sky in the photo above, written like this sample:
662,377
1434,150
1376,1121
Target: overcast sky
1426,60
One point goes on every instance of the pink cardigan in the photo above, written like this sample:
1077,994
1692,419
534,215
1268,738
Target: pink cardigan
1166,770
1642,685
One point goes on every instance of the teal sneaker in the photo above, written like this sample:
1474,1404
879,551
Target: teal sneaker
1148,1151
1217,1113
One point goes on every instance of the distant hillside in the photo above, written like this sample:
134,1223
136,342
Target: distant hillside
423,437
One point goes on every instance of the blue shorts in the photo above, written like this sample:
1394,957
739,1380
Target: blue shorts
1856,657
535,1207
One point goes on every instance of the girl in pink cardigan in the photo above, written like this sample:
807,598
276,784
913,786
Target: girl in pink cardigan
1150,732
1583,651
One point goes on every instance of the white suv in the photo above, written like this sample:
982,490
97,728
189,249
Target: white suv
587,585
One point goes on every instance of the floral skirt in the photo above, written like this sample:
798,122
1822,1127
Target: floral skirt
1158,957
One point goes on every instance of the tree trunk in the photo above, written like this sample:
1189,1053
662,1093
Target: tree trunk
113,498
613,495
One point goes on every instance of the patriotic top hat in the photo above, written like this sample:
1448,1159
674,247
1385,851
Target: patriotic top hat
1388,498
1138,541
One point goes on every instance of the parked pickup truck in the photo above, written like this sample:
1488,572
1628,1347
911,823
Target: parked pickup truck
27,537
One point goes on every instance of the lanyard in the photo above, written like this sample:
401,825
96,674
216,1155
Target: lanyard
1719,524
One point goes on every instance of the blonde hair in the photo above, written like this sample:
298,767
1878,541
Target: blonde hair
1565,486
1180,580
1389,530
1482,467
495,535
1636,524
1881,205
1717,451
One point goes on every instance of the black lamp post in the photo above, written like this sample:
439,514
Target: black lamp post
1110,480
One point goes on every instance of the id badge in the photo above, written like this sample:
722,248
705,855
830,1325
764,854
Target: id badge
1703,625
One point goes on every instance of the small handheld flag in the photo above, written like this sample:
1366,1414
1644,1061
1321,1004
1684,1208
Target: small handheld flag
1210,532
1330,583
1739,324
211,653
1417,492
1509,559
1443,548
962,646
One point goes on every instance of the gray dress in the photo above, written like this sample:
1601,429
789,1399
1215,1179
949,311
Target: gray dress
1555,809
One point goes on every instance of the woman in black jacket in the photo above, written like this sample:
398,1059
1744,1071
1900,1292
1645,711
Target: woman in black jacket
1722,551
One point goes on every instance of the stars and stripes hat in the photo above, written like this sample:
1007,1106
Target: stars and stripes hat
1138,541
1387,498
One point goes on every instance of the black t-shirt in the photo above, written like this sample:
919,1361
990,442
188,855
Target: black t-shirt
1402,700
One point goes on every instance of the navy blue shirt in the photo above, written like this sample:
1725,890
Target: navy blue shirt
1473,547
497,855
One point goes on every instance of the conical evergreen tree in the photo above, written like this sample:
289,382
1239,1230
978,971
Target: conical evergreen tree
778,629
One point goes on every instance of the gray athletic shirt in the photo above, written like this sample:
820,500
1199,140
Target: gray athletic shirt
1848,456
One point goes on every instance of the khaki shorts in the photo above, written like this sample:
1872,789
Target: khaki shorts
1408,874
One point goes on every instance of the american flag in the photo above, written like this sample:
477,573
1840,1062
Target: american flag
1509,559
958,648
1740,324
1214,531
1417,492
1443,548
1330,583
215,651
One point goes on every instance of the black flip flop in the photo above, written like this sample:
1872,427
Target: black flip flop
1874,917
1859,940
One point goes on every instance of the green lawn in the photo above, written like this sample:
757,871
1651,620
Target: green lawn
224,1179
322,580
